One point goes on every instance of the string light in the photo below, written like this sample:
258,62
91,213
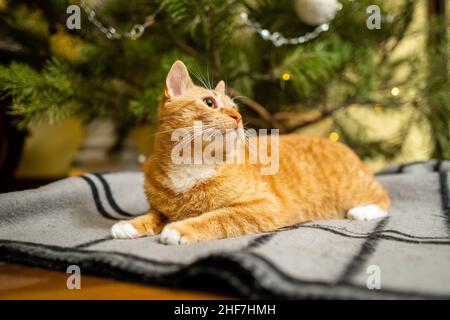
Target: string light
277,38
286,76
395,91
111,33
334,136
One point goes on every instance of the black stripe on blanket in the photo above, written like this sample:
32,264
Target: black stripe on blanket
265,238
445,196
367,249
401,168
21,247
300,282
203,273
97,201
110,198
259,241
437,166
388,231
380,235
92,242
398,233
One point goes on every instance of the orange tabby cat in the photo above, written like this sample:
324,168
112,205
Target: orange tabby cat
316,179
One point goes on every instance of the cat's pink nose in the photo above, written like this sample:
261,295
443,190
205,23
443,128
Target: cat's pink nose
233,113
236,117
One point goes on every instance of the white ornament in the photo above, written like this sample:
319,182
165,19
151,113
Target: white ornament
315,12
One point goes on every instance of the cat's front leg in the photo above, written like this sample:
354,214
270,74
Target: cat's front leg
146,225
224,223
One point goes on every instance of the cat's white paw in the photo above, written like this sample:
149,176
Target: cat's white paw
172,236
124,230
366,213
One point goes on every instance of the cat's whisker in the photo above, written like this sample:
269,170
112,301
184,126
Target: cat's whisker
199,78
192,138
249,146
189,130
204,81
197,134
209,81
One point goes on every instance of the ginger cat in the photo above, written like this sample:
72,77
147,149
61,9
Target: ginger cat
316,179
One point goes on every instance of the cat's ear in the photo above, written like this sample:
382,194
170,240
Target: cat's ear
177,81
220,87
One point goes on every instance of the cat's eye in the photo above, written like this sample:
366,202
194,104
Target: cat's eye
210,102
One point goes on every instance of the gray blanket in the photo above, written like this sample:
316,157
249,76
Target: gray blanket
406,255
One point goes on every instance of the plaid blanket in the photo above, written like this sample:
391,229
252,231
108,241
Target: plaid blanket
406,255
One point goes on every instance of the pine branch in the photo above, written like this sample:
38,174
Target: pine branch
259,109
183,46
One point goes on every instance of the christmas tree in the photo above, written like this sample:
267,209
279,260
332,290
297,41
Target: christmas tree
289,64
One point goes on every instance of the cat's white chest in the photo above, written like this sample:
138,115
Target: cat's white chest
184,177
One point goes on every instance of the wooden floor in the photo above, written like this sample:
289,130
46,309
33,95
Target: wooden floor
20,282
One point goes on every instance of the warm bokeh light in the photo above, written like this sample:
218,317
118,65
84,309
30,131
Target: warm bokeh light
286,76
334,136
395,91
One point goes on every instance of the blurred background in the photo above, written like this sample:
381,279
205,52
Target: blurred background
80,81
